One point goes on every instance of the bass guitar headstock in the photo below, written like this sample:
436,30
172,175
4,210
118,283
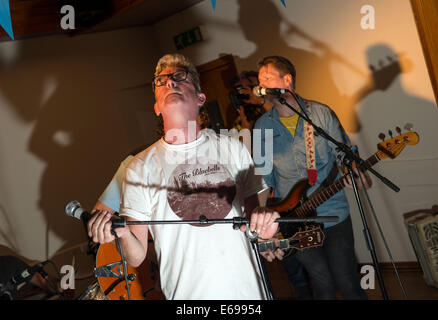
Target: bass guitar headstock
392,147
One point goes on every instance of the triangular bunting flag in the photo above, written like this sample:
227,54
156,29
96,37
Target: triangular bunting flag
213,3
5,18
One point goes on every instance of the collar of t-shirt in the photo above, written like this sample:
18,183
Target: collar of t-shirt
290,123
201,138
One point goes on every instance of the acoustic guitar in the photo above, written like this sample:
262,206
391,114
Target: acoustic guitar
311,237
143,282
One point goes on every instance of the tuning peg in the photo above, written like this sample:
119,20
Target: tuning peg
382,136
398,130
408,126
390,133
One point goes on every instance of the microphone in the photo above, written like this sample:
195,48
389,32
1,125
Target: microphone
74,209
27,274
260,91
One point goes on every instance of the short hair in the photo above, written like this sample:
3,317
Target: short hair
283,65
179,61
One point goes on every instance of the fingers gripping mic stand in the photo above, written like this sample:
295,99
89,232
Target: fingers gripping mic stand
237,223
348,159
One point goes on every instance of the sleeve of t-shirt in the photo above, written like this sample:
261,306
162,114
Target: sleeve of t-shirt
111,196
135,197
252,183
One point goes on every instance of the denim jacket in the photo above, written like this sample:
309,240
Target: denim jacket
289,156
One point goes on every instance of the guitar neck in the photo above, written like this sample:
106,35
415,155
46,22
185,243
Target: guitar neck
318,198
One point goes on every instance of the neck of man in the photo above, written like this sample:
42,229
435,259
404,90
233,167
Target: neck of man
283,110
180,131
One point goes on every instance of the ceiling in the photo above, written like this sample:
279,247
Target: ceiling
33,18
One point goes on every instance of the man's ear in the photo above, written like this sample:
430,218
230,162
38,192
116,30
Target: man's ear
157,111
201,98
288,80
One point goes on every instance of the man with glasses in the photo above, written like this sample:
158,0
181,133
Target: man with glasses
188,173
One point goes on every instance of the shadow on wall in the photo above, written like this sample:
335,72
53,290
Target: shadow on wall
314,79
7,230
65,90
395,106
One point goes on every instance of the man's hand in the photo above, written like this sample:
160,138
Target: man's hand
271,255
363,174
262,221
134,238
99,227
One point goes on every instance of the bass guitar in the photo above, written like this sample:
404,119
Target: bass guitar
297,204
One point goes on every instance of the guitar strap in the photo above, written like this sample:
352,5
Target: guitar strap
309,143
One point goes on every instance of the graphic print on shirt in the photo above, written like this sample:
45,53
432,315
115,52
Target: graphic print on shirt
204,188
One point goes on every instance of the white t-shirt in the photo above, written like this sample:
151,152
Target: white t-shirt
210,176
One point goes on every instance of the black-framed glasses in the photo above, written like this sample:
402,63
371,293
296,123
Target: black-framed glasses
177,76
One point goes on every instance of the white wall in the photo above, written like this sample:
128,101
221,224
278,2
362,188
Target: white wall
68,117
332,54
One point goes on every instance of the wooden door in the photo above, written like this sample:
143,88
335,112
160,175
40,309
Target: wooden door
425,13
215,77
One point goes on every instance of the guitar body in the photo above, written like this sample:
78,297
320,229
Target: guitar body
145,285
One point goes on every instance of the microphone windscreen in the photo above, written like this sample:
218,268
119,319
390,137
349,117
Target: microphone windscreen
73,209
257,91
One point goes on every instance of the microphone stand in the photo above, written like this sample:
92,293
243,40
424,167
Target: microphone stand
237,223
349,158
126,277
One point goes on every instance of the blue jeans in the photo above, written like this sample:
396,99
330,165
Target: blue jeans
298,277
333,265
